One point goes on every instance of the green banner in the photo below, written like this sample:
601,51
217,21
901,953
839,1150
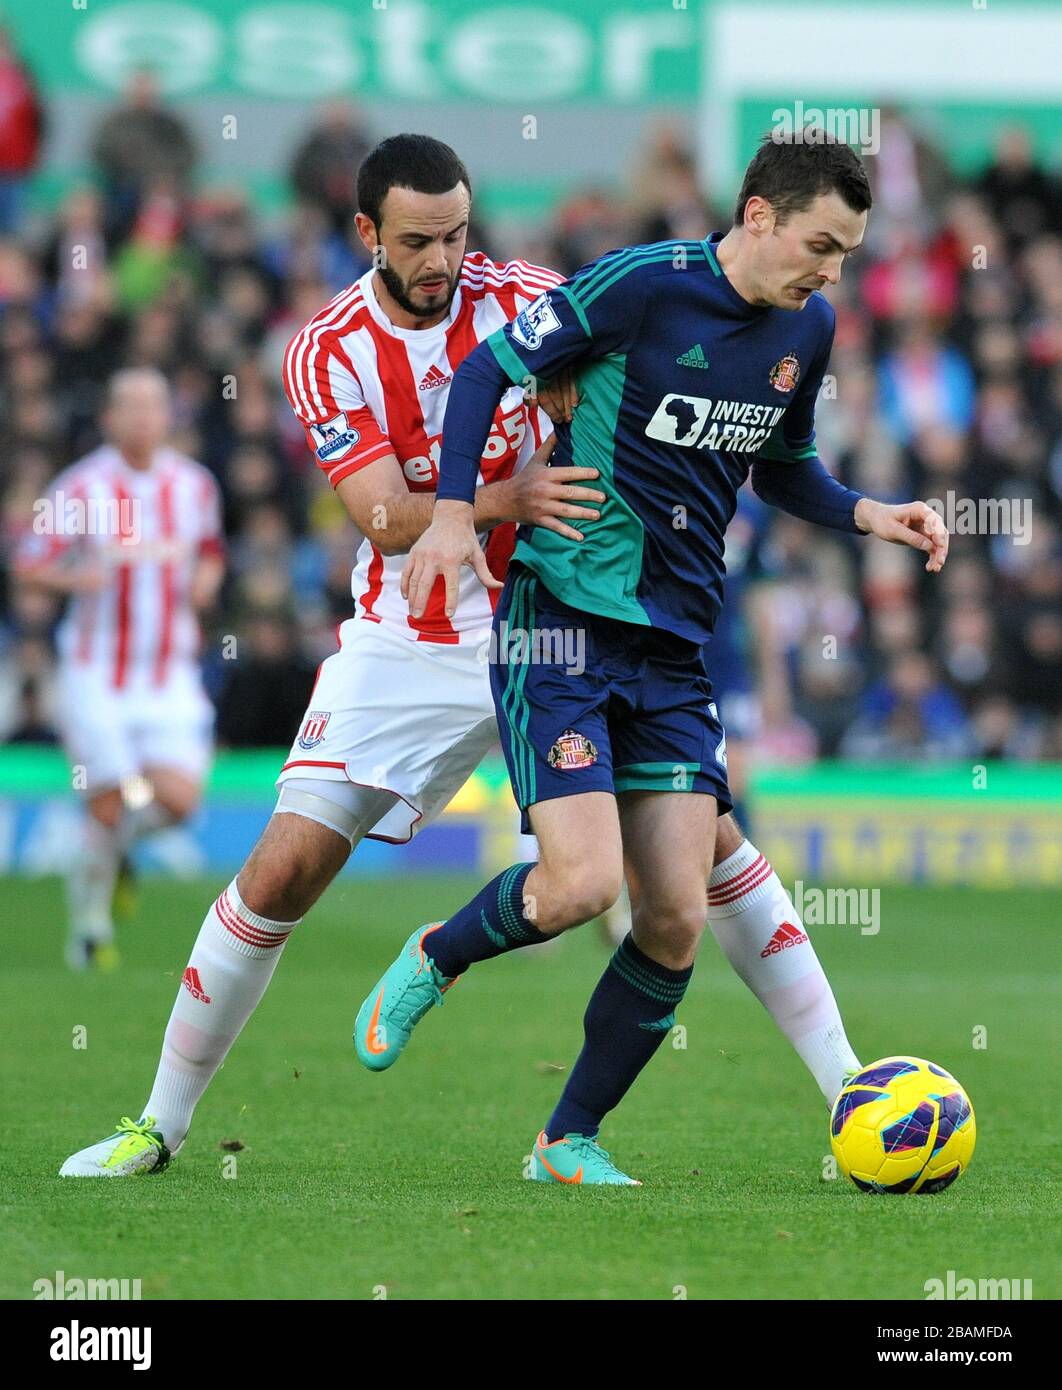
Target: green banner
610,51
31,769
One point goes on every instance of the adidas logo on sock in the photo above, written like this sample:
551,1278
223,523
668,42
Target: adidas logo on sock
192,983
433,377
786,935
694,358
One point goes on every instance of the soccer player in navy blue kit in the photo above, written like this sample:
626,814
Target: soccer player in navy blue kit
695,362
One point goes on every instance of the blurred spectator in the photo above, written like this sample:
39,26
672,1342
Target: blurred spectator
324,168
1023,199
269,685
138,145
909,177
925,382
21,133
74,260
910,714
667,197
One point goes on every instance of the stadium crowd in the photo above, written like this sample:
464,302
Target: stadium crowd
946,382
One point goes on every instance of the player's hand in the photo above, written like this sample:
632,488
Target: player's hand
542,495
448,543
908,523
558,398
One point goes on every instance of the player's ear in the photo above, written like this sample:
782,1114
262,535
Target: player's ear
759,216
367,231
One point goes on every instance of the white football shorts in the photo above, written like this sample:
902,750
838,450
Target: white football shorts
412,718
110,734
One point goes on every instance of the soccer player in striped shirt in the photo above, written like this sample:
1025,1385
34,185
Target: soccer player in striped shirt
401,714
131,534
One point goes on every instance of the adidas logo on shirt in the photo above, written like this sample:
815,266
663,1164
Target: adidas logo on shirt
786,935
432,378
694,358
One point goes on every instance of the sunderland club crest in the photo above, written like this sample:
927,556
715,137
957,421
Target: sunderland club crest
785,373
313,730
572,751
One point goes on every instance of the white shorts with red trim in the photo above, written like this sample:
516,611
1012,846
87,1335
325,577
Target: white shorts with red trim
413,718
111,734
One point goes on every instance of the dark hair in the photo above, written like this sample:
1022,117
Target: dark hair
792,170
407,161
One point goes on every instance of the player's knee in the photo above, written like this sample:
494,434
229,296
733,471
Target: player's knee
280,889
672,927
285,874
577,896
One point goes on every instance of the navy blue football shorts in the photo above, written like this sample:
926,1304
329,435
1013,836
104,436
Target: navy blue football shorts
587,703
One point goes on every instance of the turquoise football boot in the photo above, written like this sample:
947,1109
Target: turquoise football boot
575,1159
399,1001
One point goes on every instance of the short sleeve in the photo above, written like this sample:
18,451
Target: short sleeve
211,529
341,429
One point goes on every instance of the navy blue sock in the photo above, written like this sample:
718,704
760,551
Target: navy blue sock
630,1013
492,923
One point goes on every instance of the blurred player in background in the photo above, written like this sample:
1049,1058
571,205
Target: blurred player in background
132,535
401,715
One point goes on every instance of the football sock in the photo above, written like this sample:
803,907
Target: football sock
231,964
630,1013
491,924
90,882
754,920
138,821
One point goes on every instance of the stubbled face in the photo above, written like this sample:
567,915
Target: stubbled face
805,252
423,239
138,415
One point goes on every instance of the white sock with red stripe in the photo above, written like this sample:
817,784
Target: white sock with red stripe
232,962
763,938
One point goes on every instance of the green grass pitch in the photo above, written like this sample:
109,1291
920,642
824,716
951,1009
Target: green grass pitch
408,1184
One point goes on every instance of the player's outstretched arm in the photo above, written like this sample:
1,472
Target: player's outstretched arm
448,543
805,489
907,523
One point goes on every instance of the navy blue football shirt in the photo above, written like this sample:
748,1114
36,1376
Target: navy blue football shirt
683,385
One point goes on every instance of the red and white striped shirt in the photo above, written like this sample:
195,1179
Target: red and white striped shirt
364,388
146,528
